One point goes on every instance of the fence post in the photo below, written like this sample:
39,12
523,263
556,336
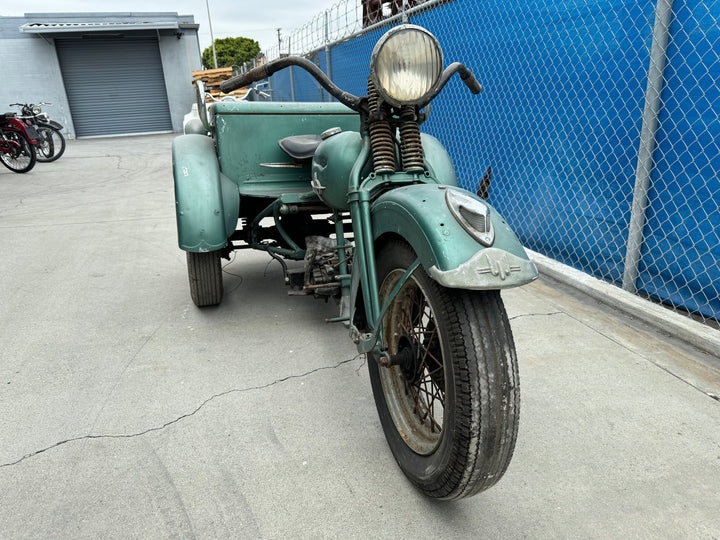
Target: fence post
328,58
292,75
648,141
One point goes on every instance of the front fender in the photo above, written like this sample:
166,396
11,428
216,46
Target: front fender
207,202
449,255
52,124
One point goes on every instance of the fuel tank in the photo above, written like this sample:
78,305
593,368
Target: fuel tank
336,155
331,166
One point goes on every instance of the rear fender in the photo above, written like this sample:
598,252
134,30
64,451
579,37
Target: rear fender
207,203
449,255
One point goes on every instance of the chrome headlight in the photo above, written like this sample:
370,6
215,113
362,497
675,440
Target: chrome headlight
406,64
36,110
472,214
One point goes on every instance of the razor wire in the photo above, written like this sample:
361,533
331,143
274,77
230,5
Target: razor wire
341,21
599,121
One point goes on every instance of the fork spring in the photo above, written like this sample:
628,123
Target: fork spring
381,136
410,141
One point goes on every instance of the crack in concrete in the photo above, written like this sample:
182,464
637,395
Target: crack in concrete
179,418
536,315
647,359
308,373
122,373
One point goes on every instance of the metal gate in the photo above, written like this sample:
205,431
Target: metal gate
114,85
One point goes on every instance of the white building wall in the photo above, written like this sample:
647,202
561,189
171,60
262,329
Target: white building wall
30,72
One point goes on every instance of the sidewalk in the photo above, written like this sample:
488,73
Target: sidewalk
127,412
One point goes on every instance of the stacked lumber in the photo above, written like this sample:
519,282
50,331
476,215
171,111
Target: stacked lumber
212,79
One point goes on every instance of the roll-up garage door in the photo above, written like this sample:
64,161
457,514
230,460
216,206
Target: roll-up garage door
114,85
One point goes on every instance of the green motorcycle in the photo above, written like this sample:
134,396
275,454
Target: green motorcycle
373,209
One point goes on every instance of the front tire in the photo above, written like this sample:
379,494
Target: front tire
50,145
205,275
450,404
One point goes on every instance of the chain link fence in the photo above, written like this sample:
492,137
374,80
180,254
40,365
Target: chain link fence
600,121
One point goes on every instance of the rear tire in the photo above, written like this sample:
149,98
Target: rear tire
450,406
24,159
205,275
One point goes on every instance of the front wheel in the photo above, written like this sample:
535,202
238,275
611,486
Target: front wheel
50,144
205,274
449,404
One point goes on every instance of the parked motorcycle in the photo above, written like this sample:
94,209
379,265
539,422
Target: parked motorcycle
373,209
51,143
17,143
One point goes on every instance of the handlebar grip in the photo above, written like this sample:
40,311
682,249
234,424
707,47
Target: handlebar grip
470,81
255,74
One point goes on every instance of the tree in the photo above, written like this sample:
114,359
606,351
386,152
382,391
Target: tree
231,52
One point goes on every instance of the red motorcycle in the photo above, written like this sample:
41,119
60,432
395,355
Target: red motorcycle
17,143
51,143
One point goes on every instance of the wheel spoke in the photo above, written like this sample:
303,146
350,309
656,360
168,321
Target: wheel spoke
419,382
418,324
425,347
435,392
425,402
426,393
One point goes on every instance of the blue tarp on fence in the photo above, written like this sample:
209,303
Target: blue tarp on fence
559,121
681,252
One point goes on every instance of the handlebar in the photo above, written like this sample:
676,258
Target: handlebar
465,74
266,70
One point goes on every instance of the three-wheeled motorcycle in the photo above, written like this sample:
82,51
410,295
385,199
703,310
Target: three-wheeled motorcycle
373,209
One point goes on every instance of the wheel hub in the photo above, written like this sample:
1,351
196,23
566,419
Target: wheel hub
407,359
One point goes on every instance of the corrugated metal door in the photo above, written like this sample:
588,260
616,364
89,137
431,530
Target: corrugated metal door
114,86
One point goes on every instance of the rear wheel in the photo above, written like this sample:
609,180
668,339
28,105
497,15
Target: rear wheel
205,274
21,159
50,144
450,403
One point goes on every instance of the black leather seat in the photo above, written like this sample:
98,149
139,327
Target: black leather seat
300,147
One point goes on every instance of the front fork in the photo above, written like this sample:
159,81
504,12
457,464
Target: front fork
364,263
372,342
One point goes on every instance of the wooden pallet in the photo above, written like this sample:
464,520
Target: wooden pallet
212,79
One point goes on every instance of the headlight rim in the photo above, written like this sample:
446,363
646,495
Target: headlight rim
373,64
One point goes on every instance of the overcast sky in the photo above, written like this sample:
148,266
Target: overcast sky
257,20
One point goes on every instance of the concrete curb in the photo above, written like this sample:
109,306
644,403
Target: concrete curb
679,326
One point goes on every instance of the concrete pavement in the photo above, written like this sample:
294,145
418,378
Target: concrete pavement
126,412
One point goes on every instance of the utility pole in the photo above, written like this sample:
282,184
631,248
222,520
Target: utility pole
212,39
